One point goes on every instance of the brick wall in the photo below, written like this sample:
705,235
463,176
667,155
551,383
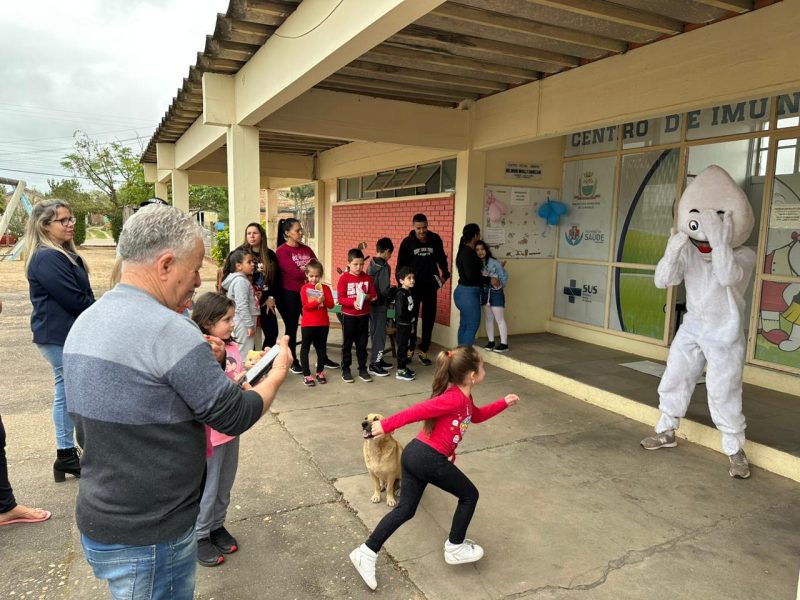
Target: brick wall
366,222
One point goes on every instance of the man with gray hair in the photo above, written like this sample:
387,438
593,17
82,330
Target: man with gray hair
142,382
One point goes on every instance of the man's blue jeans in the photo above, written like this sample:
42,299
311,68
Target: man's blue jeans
468,302
65,430
154,572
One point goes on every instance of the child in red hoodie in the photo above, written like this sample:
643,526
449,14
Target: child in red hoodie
356,292
430,457
316,298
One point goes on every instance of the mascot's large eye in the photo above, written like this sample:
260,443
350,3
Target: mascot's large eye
694,225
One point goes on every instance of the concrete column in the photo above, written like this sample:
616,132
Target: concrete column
243,179
470,181
180,189
272,217
161,190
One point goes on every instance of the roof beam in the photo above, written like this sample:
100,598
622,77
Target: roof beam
327,114
316,40
737,6
197,142
512,23
614,13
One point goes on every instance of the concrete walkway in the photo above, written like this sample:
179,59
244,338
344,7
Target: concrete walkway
570,508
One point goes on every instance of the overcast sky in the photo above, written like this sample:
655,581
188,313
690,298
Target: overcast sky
109,68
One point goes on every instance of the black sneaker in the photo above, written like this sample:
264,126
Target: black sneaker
296,368
384,365
377,370
223,540
489,346
208,555
331,364
363,375
347,376
404,375
501,348
423,358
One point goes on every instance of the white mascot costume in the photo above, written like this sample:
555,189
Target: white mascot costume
705,251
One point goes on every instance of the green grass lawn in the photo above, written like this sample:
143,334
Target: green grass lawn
97,233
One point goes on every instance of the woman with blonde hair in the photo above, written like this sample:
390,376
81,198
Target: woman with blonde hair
60,290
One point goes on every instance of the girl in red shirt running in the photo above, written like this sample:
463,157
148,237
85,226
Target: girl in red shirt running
430,457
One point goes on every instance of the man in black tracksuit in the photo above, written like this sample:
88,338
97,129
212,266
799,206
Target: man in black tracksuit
423,252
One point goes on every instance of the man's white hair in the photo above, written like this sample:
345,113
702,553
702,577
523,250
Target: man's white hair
155,229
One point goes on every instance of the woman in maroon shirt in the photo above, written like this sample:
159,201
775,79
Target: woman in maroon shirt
430,457
293,257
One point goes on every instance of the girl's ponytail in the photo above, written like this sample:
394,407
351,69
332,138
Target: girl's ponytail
452,367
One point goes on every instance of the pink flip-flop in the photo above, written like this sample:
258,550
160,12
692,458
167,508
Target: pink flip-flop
47,515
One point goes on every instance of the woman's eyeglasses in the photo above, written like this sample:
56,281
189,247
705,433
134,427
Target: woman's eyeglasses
66,221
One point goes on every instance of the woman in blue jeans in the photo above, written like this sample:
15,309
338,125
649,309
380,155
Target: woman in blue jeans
60,291
467,294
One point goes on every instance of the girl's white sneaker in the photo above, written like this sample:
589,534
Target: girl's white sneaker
466,552
364,560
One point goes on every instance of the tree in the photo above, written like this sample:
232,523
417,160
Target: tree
112,168
79,199
303,198
210,198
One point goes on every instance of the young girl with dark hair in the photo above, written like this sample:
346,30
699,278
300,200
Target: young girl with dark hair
493,297
214,314
430,457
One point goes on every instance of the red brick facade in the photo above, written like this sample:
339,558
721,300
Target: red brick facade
366,222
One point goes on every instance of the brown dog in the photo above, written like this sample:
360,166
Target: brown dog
382,458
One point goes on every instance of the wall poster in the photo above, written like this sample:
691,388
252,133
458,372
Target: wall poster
511,225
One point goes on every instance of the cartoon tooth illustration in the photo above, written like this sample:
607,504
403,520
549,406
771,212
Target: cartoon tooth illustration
706,252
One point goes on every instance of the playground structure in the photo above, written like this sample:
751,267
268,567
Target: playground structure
20,197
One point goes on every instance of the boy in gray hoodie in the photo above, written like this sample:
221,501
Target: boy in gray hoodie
381,273
239,267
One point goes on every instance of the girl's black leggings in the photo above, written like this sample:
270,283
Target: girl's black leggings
423,465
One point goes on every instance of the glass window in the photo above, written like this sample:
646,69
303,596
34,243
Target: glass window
342,192
380,181
789,110
588,191
449,175
646,199
728,119
422,175
652,132
786,157
354,188
591,141
778,338
782,252
399,178
637,305
581,293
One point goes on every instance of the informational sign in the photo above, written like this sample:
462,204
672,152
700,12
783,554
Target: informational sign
581,293
512,227
588,193
523,171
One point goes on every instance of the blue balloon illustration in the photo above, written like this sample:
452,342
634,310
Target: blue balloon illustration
551,211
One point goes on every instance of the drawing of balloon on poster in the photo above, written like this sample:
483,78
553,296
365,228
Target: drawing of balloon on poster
512,225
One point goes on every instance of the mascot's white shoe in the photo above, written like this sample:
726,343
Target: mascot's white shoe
660,440
740,468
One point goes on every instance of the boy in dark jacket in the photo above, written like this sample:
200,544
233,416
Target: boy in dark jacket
423,252
381,273
406,321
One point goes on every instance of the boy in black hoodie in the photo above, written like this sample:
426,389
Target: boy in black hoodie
423,252
381,273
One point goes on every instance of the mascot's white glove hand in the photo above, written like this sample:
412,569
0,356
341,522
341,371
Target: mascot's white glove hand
719,232
677,240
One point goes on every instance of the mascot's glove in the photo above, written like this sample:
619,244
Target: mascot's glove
719,232
677,240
